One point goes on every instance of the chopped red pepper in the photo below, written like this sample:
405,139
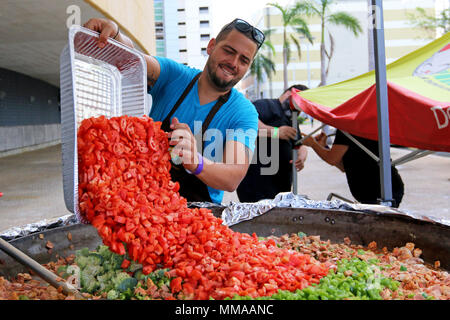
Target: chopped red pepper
126,192
125,264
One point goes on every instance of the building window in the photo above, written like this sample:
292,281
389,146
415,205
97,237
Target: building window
183,50
181,37
203,10
204,24
203,52
204,37
181,23
180,10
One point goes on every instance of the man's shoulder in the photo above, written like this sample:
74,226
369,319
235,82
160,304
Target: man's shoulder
267,108
341,138
264,101
240,101
241,112
174,66
267,104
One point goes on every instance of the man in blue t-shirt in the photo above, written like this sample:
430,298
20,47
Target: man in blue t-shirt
192,103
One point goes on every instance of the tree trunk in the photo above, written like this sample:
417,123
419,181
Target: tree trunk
258,90
370,37
285,72
269,51
323,67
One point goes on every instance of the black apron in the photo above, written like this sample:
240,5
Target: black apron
191,187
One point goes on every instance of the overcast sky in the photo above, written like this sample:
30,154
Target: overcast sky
226,11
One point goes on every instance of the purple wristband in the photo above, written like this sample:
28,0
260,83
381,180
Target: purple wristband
199,167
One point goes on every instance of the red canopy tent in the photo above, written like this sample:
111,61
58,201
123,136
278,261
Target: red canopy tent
418,94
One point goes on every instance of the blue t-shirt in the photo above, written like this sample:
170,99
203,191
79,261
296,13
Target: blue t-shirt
236,120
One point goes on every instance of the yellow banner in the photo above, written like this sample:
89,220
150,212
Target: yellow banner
425,71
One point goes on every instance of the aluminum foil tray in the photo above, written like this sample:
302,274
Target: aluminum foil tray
109,81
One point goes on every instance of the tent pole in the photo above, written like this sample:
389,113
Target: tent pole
294,153
359,144
382,104
412,156
309,135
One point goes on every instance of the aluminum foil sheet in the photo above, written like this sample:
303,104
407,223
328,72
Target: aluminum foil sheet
238,212
40,226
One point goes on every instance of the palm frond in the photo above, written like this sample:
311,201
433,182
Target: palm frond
346,20
269,32
301,27
268,66
421,20
297,44
268,46
306,8
256,68
262,64
325,6
279,7
287,45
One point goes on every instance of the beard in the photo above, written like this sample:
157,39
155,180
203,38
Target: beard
220,83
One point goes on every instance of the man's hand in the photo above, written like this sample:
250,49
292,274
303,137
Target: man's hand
184,144
310,141
321,139
109,29
301,158
106,28
287,133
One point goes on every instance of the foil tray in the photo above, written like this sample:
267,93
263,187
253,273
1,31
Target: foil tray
109,81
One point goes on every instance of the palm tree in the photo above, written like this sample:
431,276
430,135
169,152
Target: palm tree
262,64
430,24
321,8
292,17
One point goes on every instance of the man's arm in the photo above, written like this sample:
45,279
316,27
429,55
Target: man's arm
302,154
331,156
284,132
109,29
226,175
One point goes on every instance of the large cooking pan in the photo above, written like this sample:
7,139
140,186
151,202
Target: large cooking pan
388,230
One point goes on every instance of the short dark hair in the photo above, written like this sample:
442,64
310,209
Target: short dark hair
231,26
300,87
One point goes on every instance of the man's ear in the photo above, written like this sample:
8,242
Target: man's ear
285,96
211,46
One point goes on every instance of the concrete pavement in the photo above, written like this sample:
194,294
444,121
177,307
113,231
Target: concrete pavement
32,186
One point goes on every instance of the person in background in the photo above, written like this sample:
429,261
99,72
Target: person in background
183,96
361,170
274,129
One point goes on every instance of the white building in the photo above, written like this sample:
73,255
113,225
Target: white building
183,30
350,56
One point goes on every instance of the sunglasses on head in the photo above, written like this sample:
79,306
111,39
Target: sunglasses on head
244,27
